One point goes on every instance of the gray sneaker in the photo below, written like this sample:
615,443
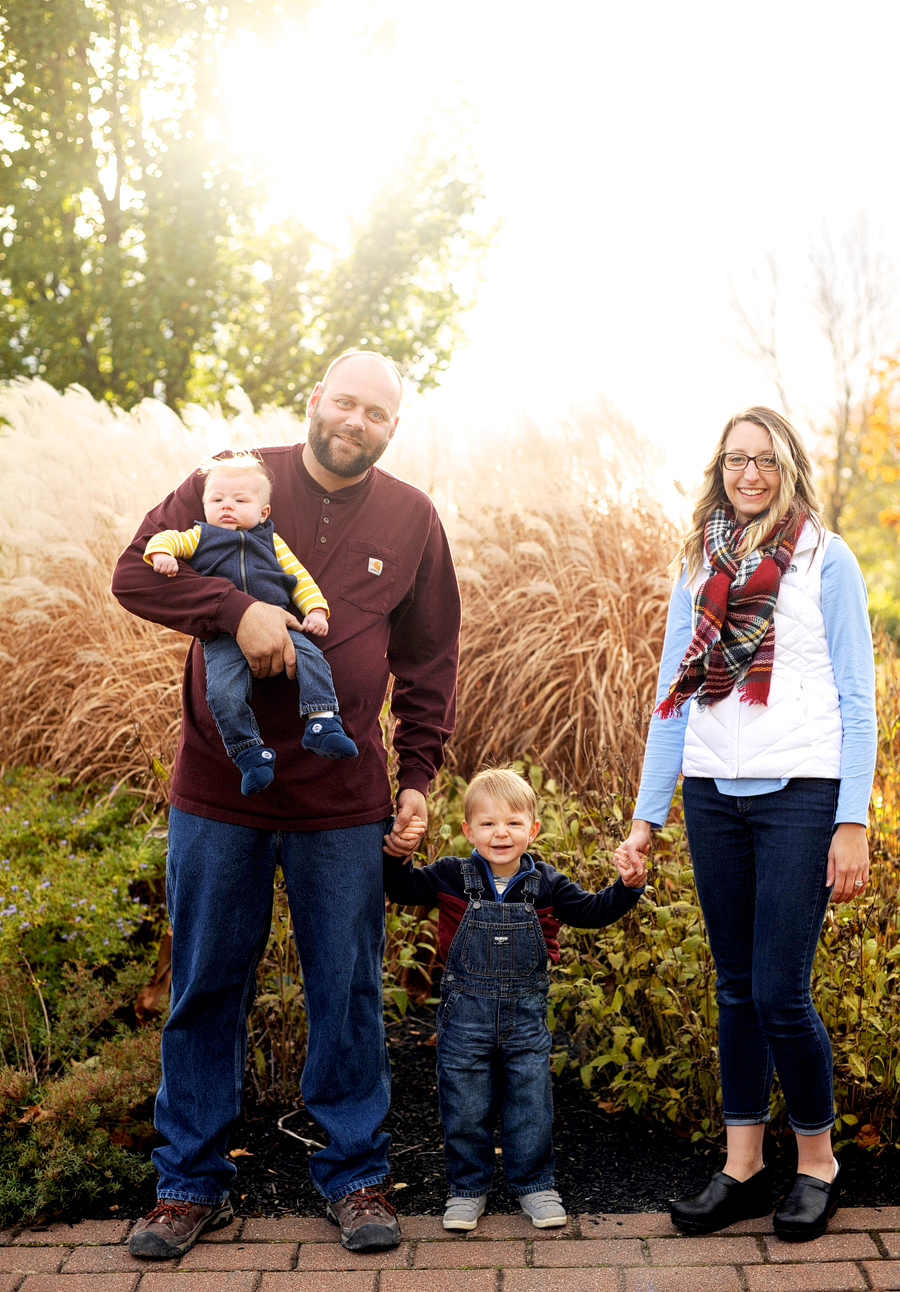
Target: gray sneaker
172,1228
463,1213
545,1208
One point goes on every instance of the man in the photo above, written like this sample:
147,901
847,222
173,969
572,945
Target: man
376,548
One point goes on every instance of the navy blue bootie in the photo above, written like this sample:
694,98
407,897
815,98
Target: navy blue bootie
327,738
257,767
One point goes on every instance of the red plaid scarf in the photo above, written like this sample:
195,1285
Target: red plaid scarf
734,636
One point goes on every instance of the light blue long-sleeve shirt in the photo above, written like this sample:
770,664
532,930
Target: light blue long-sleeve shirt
845,612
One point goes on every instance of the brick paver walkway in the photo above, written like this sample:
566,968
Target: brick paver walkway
617,1253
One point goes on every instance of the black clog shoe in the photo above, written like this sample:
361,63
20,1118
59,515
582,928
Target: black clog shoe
808,1207
723,1202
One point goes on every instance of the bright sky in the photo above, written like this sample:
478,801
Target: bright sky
641,156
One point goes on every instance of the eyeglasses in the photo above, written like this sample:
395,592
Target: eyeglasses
737,461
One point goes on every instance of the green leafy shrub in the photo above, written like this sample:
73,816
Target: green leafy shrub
77,874
67,867
71,1140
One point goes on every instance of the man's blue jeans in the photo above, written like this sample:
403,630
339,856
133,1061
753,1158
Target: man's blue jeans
229,686
219,887
760,866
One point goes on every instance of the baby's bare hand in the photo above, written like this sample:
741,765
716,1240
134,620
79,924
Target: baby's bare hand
165,564
316,622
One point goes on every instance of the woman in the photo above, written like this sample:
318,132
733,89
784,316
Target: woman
767,704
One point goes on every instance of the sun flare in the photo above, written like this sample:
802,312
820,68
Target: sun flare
330,110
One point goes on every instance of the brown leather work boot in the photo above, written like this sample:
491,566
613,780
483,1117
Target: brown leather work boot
367,1220
172,1228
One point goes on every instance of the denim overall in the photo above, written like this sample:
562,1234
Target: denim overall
493,1044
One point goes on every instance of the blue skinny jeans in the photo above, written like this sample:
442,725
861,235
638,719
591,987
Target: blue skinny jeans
760,866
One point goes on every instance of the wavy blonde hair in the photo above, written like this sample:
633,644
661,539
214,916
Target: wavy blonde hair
503,785
797,492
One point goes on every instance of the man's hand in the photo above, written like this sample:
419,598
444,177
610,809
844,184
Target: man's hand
407,839
409,824
263,637
165,564
316,622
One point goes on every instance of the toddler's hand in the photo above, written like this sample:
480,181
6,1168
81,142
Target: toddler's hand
165,564
316,622
631,856
406,840
634,873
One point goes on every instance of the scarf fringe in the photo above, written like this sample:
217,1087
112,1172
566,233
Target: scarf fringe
755,690
668,708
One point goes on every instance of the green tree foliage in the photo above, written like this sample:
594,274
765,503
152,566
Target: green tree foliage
132,261
393,290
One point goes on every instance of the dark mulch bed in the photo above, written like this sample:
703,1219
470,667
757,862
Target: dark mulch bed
605,1163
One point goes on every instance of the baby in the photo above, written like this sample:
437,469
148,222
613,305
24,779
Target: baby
238,542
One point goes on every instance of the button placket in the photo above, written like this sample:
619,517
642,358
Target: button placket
325,520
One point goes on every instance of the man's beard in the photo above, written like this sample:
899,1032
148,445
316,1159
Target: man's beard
321,444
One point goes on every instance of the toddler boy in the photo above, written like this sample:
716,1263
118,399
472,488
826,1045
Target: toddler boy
237,541
499,913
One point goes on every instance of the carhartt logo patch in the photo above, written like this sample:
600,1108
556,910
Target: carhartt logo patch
375,565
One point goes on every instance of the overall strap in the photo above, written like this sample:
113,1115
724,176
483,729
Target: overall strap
472,881
530,889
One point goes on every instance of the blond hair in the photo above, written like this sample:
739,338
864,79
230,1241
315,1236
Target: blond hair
503,785
797,490
241,463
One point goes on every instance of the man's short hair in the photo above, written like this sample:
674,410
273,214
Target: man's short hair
348,354
503,785
238,464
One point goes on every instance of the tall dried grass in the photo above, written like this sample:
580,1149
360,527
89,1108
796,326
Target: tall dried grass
85,688
561,542
565,608
560,569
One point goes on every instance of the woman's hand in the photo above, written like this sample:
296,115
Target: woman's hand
631,856
848,861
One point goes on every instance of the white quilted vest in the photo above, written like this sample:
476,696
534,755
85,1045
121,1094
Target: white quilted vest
798,733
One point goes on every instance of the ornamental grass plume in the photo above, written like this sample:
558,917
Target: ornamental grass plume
561,534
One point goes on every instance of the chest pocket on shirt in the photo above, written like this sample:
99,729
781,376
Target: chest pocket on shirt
370,577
